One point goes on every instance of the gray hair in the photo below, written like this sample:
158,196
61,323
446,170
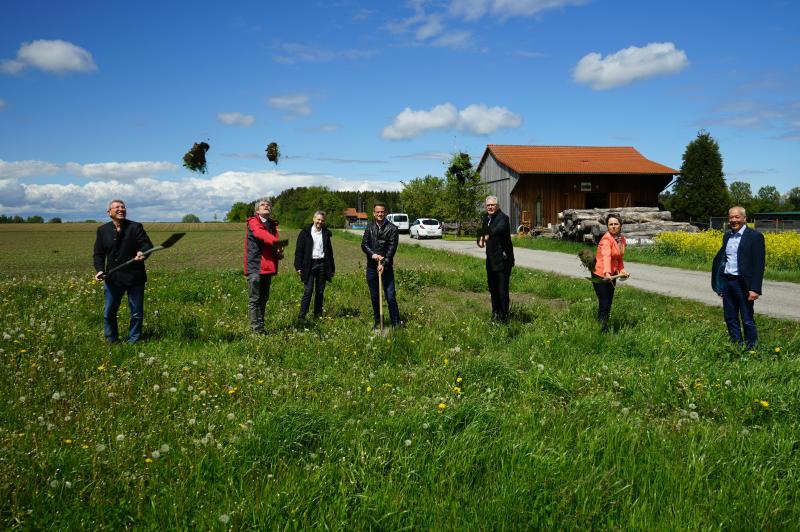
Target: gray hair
113,201
492,198
259,201
738,208
320,213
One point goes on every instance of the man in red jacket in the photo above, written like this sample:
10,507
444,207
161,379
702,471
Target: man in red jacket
260,261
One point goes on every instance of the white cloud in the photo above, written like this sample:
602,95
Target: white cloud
294,104
628,65
154,199
482,120
119,171
55,56
476,118
236,119
21,169
476,9
292,53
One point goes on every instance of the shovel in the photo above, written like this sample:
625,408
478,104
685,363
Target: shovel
380,296
164,245
619,276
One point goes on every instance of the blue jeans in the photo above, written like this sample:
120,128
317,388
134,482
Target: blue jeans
114,295
388,290
734,306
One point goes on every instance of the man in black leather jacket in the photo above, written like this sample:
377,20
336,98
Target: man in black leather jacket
380,244
117,242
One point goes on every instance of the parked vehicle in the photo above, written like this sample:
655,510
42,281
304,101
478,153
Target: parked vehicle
400,220
425,228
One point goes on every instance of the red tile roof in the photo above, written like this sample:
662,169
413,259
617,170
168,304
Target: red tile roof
574,160
350,212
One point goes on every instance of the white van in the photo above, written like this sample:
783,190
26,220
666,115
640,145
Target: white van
400,220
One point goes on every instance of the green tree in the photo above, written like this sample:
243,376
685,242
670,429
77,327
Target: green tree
239,212
791,201
295,207
741,194
34,220
55,220
425,196
768,199
464,190
190,219
700,190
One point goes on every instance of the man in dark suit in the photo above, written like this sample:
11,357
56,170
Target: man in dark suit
117,242
495,236
379,244
736,275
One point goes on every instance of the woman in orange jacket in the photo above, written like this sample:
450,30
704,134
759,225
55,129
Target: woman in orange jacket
608,263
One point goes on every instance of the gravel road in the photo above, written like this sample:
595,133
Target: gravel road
780,300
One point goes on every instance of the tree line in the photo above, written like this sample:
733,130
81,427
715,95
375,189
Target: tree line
700,191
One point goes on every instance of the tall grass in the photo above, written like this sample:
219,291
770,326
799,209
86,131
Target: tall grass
447,423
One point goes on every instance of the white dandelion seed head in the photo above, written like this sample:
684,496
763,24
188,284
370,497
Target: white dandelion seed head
224,518
53,483
156,387
694,416
67,484
120,437
425,426
22,398
100,448
155,454
56,396
692,406
165,374
626,411
239,376
407,443
540,367
173,389
192,421
164,448
728,382
231,416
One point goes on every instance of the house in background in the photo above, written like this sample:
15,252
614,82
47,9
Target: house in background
354,219
545,180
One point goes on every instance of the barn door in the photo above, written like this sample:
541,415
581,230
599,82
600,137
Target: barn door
619,199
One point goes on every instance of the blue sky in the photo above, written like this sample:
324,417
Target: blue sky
100,100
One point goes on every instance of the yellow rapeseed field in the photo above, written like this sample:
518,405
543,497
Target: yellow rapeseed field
783,249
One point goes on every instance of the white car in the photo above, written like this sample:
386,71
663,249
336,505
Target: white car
400,220
425,228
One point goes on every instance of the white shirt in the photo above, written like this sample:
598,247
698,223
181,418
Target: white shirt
317,252
732,252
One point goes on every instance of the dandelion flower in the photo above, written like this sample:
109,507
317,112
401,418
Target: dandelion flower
694,416
148,460
120,437
727,382
540,367
763,403
56,396
425,426
173,389
407,443
156,387
224,518
156,454
778,349
442,406
459,379
369,389
231,416
164,448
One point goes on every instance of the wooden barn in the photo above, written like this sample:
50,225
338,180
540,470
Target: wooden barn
545,180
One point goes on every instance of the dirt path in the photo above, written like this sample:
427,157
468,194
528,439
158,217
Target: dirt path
780,300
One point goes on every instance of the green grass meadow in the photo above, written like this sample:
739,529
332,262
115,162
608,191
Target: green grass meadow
448,423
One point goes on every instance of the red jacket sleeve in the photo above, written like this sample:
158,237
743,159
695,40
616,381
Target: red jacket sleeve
260,233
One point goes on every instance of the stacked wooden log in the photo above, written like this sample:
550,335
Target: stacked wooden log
639,224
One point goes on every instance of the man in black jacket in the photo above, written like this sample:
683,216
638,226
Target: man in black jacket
313,260
737,274
117,242
495,236
380,244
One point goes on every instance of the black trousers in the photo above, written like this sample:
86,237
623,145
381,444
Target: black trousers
315,284
498,288
605,296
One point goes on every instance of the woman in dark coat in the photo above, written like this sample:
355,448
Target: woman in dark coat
313,260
